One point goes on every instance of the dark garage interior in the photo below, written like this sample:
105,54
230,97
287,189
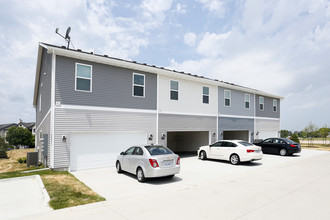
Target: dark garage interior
187,141
236,135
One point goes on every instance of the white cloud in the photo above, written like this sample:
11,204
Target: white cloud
190,39
181,8
215,6
212,44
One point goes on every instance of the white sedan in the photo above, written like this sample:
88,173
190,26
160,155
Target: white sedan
148,161
235,151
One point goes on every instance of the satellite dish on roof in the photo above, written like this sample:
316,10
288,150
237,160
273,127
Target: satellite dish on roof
67,37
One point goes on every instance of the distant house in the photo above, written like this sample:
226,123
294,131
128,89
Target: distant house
29,125
90,107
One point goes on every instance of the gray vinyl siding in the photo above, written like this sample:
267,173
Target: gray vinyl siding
73,120
44,87
45,128
111,86
237,103
235,124
170,122
268,108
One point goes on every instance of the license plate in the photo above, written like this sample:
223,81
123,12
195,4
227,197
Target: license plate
167,163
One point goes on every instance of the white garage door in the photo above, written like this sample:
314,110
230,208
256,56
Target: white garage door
95,150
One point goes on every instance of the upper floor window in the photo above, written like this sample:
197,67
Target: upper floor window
174,90
83,77
206,94
261,103
227,97
138,84
247,100
274,105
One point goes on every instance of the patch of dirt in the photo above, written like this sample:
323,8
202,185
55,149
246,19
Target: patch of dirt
10,164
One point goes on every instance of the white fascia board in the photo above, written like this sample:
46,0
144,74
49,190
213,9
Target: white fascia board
94,108
248,117
151,69
37,76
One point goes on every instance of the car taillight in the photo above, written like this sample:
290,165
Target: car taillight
292,145
250,151
178,161
153,163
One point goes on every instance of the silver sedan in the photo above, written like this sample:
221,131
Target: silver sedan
148,161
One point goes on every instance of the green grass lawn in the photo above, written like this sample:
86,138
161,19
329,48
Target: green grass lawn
63,188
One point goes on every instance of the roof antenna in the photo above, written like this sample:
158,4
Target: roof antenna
67,37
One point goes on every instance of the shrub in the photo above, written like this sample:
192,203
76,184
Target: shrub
295,138
21,160
3,152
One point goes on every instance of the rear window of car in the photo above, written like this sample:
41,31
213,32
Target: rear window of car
290,141
158,150
245,143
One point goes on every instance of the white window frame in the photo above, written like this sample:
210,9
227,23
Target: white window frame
208,95
224,94
247,101
80,77
275,105
41,137
263,103
174,90
144,85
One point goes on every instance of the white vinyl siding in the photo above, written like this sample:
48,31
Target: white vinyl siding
174,90
227,98
206,94
138,85
247,101
261,103
83,77
40,103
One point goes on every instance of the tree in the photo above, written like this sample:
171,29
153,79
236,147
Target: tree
295,138
324,133
18,136
285,133
311,130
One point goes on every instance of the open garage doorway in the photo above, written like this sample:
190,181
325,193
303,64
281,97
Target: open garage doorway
236,135
187,142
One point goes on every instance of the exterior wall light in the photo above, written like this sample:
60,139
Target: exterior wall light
64,138
150,137
163,136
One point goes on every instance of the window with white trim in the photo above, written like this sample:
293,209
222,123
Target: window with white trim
227,98
206,92
174,90
40,136
138,85
83,77
261,103
247,101
274,105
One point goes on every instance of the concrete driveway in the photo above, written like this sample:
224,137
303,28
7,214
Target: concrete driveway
276,187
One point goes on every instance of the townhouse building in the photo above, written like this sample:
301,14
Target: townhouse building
90,107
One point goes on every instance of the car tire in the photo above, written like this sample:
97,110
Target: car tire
118,167
234,159
140,175
283,152
203,155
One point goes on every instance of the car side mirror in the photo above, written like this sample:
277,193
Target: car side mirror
122,153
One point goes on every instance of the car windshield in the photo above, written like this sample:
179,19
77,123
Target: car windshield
245,143
158,150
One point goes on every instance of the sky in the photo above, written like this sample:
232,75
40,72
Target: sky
277,46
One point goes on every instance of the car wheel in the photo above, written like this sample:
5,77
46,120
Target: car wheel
140,175
283,152
234,159
203,155
118,167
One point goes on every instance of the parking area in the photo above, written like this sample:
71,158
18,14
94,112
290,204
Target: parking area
276,187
